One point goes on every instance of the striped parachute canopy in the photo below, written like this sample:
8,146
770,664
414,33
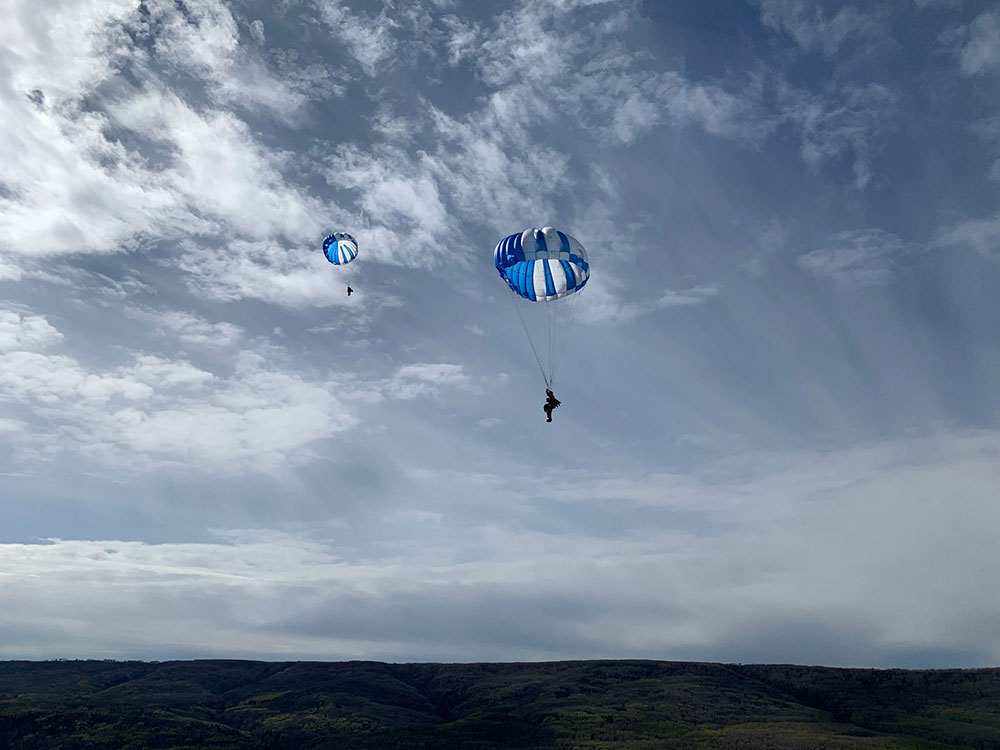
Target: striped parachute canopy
542,264
340,248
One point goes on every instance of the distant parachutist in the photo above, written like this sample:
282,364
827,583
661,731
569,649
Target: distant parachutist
551,402
340,248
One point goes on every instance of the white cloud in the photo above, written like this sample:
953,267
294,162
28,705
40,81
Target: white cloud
70,189
603,303
844,123
188,328
8,426
982,235
140,164
859,258
811,27
369,39
157,412
771,239
203,38
60,47
219,170
426,379
463,38
268,271
257,31
24,331
888,545
981,50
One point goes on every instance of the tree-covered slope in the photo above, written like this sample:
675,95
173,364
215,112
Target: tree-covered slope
592,704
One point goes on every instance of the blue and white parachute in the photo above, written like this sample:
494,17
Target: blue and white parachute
542,264
340,248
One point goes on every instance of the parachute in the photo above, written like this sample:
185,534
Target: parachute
340,248
543,265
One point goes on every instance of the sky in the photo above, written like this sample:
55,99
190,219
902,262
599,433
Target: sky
780,421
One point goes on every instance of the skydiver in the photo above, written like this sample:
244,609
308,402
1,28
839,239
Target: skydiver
551,402
349,291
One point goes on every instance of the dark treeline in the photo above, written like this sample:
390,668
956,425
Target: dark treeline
77,705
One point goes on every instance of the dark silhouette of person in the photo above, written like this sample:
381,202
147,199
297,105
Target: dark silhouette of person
551,402
349,291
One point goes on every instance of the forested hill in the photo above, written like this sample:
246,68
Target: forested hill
587,704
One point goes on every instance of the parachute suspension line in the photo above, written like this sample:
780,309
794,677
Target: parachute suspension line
563,326
527,334
552,313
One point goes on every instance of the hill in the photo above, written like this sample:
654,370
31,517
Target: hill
77,705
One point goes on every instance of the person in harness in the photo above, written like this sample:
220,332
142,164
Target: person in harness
349,291
551,402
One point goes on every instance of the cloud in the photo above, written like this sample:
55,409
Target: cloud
534,57
220,172
24,331
845,123
462,38
856,259
369,39
257,31
772,238
878,544
155,412
267,271
606,305
542,64
981,48
61,48
188,328
425,379
70,189
982,235
811,27
108,157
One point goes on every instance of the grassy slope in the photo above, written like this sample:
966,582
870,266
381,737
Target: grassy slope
597,704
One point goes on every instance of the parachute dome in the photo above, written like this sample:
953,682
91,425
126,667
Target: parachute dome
340,248
542,264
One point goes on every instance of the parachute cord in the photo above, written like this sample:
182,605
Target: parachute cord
517,309
563,325
552,339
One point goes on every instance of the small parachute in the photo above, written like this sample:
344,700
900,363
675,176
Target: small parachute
543,265
340,248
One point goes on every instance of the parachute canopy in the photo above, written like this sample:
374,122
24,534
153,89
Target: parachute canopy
340,248
542,264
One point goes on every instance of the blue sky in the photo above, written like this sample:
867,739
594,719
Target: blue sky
779,431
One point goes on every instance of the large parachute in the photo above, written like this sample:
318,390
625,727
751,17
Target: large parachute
543,265
340,248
